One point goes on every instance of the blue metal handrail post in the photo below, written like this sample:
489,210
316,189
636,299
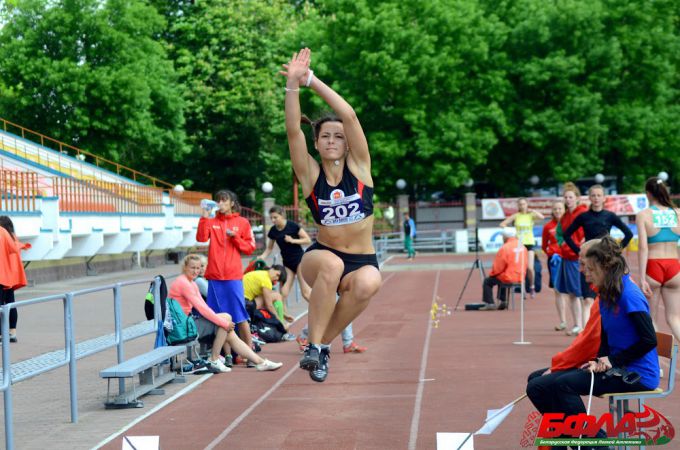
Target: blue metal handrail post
157,313
70,350
119,333
7,380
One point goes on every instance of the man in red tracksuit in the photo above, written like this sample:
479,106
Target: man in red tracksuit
509,266
230,235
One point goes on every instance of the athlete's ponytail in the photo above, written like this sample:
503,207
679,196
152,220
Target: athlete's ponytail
657,189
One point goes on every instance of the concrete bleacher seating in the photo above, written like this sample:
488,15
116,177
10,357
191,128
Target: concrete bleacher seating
67,207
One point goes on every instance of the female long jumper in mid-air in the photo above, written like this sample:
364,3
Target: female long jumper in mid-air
339,192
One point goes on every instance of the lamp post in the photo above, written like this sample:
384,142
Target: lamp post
470,205
267,203
402,203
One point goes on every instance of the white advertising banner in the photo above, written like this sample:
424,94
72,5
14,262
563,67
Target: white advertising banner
500,208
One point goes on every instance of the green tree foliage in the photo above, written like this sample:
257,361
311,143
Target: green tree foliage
446,90
227,54
425,78
92,73
594,89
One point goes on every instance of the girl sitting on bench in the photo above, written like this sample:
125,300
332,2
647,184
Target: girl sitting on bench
186,292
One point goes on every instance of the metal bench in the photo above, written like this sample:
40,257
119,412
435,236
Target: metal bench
142,365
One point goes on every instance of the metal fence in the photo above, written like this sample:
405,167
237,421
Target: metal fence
72,351
432,241
57,160
18,190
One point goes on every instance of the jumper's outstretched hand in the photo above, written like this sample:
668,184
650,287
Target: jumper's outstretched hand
298,67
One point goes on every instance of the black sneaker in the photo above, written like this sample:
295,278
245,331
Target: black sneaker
310,358
321,372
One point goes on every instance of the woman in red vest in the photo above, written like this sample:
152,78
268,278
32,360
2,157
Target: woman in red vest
12,275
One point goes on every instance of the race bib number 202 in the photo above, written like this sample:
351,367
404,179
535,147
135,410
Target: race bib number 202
341,210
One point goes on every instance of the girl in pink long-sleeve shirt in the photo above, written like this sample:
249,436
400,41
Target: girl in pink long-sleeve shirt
186,292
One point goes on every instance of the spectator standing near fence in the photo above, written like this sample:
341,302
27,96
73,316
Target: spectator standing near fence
409,235
230,236
339,192
596,223
659,233
568,279
551,248
12,274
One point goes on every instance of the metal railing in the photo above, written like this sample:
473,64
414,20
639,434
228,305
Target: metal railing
103,196
67,165
14,373
187,202
436,241
18,190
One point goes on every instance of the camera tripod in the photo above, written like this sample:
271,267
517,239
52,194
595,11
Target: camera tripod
477,264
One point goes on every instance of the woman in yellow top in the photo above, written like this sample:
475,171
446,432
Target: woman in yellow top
523,220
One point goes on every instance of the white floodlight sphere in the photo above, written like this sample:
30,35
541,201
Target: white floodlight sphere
178,188
663,176
599,178
469,182
534,180
401,183
267,187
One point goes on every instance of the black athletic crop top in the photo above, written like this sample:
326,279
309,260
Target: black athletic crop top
350,201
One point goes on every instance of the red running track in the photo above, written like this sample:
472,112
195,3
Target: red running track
414,381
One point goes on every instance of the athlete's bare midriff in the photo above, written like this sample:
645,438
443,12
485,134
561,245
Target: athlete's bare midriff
355,238
663,250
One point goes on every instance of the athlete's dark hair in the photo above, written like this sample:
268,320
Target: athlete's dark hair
607,254
282,270
657,189
6,223
278,210
226,194
316,124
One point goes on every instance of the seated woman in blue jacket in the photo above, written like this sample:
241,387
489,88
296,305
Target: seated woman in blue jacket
627,360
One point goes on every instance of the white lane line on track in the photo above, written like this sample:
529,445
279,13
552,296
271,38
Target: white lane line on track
264,396
250,409
415,421
177,395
